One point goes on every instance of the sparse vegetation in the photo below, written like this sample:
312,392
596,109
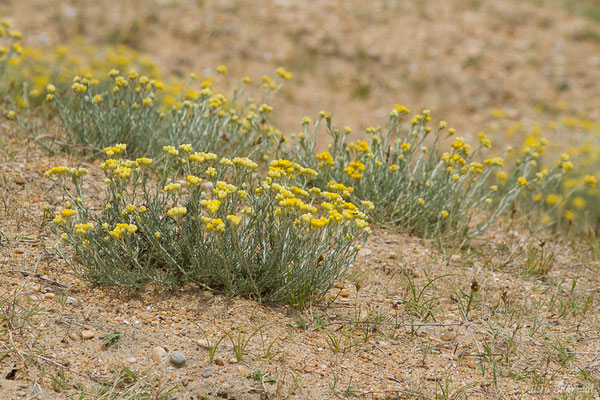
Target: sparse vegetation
372,262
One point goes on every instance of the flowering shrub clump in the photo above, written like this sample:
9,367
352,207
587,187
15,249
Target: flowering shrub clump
96,114
196,217
9,48
575,199
415,181
28,74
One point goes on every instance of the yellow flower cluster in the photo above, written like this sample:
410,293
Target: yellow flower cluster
213,224
177,212
354,169
211,205
324,159
340,187
281,168
83,228
122,228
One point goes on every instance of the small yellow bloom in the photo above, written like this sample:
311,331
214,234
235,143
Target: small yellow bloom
67,212
552,199
171,187
401,109
177,212
522,181
579,202
444,214
171,150
590,180
234,219
570,215
421,201
283,73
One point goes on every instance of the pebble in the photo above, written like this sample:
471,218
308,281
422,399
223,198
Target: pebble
158,353
206,373
203,343
87,335
49,295
344,293
447,336
19,180
242,370
233,360
338,285
219,362
177,359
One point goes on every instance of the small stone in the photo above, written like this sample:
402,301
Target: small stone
202,343
242,370
206,373
19,180
49,295
345,293
185,381
233,360
447,336
158,353
87,335
365,252
177,359
219,361
131,360
338,285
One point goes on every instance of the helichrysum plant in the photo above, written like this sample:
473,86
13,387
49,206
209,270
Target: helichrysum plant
575,198
214,221
131,110
9,48
424,180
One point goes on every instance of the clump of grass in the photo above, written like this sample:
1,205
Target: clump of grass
195,217
127,109
417,181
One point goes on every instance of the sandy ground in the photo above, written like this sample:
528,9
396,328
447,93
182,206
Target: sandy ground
526,335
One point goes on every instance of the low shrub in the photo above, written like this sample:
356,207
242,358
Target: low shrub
415,179
195,217
9,50
127,110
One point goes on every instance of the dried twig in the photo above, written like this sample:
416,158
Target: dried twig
35,275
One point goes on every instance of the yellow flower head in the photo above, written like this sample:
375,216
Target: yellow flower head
234,219
522,181
177,212
68,213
